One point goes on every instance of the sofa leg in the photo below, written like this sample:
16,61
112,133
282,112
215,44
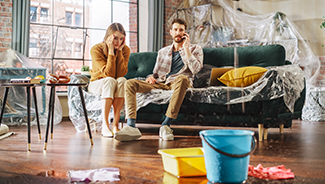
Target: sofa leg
260,132
281,128
265,133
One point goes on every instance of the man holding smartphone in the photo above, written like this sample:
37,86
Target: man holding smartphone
175,68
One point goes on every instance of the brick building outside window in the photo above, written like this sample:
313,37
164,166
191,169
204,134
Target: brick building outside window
62,32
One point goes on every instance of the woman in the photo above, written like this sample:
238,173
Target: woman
109,64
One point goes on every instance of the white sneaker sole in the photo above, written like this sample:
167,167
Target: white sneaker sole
127,137
107,136
167,138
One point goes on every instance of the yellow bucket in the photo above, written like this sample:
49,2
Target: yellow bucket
184,162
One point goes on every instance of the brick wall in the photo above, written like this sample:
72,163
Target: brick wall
170,9
133,26
5,24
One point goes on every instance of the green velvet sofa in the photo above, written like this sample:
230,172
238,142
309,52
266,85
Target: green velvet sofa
263,114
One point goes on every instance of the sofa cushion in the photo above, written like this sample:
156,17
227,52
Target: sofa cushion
242,77
141,64
265,55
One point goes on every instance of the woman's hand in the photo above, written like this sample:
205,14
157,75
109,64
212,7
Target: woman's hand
109,42
123,44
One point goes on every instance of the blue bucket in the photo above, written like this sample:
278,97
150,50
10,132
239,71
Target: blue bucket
226,154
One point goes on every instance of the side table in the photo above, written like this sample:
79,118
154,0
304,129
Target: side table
51,109
28,86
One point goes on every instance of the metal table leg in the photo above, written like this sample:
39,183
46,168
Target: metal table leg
36,111
28,116
52,116
4,100
51,106
85,112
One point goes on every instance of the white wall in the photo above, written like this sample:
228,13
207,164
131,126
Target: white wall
143,25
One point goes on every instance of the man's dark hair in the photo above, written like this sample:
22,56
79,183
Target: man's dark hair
179,21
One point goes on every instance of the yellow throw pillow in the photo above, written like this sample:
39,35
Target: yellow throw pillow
242,77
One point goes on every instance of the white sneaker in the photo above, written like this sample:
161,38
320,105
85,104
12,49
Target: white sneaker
166,133
106,132
128,134
115,129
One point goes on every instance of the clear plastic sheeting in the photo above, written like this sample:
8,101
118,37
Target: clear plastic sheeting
215,23
282,81
15,65
314,109
93,106
155,96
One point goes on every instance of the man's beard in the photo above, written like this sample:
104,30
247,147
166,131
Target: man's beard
178,40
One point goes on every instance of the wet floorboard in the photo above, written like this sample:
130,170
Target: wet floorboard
301,149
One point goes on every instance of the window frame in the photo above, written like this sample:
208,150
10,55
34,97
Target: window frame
54,30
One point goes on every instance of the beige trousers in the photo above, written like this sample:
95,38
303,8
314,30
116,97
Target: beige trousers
133,86
108,87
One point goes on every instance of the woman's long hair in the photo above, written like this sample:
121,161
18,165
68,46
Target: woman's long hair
111,30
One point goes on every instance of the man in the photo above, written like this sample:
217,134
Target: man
175,67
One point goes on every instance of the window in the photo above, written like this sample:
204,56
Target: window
44,12
63,43
78,47
68,47
33,14
78,19
44,16
68,18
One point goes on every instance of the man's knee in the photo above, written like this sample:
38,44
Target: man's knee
129,83
183,80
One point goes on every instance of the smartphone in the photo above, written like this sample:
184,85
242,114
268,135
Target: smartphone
184,35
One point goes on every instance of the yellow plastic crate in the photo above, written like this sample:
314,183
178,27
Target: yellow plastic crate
184,162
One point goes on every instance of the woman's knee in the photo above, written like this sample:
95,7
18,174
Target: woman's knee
121,80
109,82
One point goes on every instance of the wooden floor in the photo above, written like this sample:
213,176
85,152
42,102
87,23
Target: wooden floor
301,149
